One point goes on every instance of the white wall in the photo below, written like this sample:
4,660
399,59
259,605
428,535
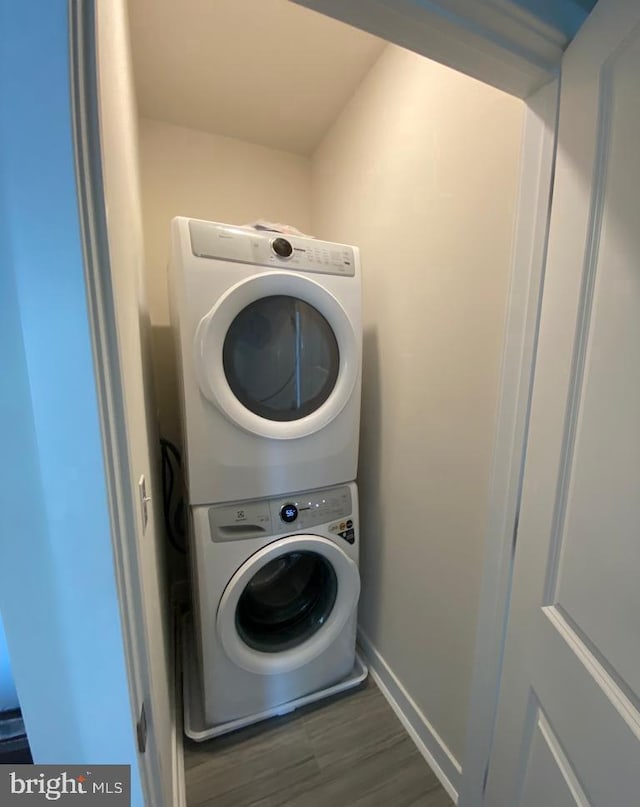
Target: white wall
146,549
420,171
191,173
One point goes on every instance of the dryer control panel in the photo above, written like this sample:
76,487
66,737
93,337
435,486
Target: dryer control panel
299,512
275,250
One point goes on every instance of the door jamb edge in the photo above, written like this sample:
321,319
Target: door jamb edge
528,261
110,392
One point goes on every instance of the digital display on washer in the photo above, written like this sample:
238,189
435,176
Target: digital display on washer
289,513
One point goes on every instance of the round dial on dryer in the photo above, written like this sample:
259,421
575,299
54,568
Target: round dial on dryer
282,247
288,513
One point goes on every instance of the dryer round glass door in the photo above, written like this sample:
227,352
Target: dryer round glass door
281,358
287,603
278,355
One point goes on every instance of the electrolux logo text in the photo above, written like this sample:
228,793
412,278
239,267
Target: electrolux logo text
66,785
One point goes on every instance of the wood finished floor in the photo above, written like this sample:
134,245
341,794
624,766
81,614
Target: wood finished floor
349,752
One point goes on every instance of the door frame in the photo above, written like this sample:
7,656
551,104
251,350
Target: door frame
83,77
499,44
516,382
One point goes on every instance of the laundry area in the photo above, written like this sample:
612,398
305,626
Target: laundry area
321,392
322,237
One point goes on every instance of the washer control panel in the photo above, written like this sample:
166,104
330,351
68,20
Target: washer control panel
275,250
307,510
300,512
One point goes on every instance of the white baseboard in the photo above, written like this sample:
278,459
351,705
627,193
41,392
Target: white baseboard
441,761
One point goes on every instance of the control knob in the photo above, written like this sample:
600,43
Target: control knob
282,247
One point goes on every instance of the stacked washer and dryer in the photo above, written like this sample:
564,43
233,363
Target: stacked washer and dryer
268,335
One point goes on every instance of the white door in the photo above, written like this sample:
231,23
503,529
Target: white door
568,723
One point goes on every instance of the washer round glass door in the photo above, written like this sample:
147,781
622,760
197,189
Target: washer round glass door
287,603
278,355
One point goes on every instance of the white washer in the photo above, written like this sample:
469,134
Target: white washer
269,340
276,587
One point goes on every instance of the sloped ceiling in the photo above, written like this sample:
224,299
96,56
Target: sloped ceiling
265,71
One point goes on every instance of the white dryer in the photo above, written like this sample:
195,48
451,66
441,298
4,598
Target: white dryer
276,587
268,332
